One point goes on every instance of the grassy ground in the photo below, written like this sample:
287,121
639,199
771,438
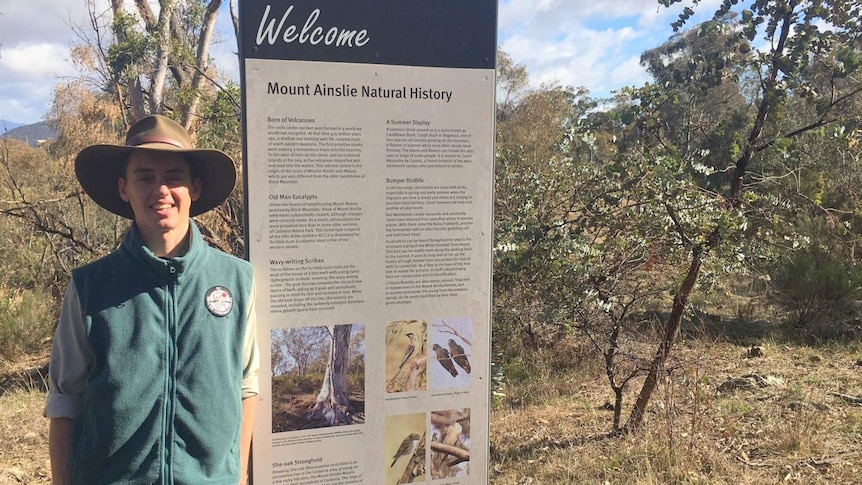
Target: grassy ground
553,429
793,431
23,430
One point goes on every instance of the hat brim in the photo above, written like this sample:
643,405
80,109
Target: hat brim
98,167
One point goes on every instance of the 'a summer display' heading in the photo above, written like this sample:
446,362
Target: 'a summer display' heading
348,91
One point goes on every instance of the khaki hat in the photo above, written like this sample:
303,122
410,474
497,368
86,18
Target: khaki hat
98,167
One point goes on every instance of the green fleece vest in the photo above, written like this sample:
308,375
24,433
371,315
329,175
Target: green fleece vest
163,399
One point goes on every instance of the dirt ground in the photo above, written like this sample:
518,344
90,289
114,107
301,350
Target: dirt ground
293,414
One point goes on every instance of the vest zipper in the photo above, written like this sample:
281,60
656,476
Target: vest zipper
171,371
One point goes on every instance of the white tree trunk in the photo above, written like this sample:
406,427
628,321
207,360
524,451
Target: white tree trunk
333,406
163,53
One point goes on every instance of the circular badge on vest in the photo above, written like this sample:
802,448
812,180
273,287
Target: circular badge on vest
219,301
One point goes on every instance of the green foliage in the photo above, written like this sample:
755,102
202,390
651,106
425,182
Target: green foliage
528,376
47,227
125,57
684,183
294,384
818,284
220,116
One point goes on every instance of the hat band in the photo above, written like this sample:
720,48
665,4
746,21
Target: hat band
154,139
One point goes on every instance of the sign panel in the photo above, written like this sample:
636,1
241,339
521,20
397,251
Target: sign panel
369,178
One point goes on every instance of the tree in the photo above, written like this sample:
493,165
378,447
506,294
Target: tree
46,198
332,406
533,179
294,349
135,63
512,81
30,282
356,363
152,51
784,70
608,216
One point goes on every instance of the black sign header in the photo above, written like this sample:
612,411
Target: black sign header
433,33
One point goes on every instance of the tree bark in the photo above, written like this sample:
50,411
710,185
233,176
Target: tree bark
201,61
163,53
671,329
332,407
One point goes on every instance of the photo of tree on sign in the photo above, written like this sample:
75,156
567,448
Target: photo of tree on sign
318,377
406,355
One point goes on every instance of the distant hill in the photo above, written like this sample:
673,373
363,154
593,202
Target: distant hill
31,134
8,125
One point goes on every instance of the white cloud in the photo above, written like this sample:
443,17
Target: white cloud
533,18
629,73
582,57
35,36
591,43
28,74
25,102
27,21
36,60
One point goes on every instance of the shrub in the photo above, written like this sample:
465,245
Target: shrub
294,384
27,320
818,287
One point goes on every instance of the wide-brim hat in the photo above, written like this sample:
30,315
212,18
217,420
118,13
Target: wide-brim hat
98,167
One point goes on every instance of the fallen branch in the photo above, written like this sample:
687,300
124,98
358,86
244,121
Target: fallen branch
753,463
848,398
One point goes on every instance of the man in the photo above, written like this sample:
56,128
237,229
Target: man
153,369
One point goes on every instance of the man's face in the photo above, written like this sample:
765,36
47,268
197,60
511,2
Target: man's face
160,189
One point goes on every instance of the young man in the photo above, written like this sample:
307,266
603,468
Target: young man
153,369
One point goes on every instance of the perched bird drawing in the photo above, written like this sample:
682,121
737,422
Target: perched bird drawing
465,425
407,447
411,349
459,356
451,436
444,359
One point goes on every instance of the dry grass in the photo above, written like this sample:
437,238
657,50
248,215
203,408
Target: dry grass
794,432
24,432
553,429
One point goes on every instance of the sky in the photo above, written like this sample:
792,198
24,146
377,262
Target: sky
594,44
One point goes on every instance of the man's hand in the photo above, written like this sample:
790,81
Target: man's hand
249,405
60,449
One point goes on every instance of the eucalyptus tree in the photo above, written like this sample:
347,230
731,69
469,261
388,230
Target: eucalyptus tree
808,56
332,406
533,180
606,217
157,60
141,57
